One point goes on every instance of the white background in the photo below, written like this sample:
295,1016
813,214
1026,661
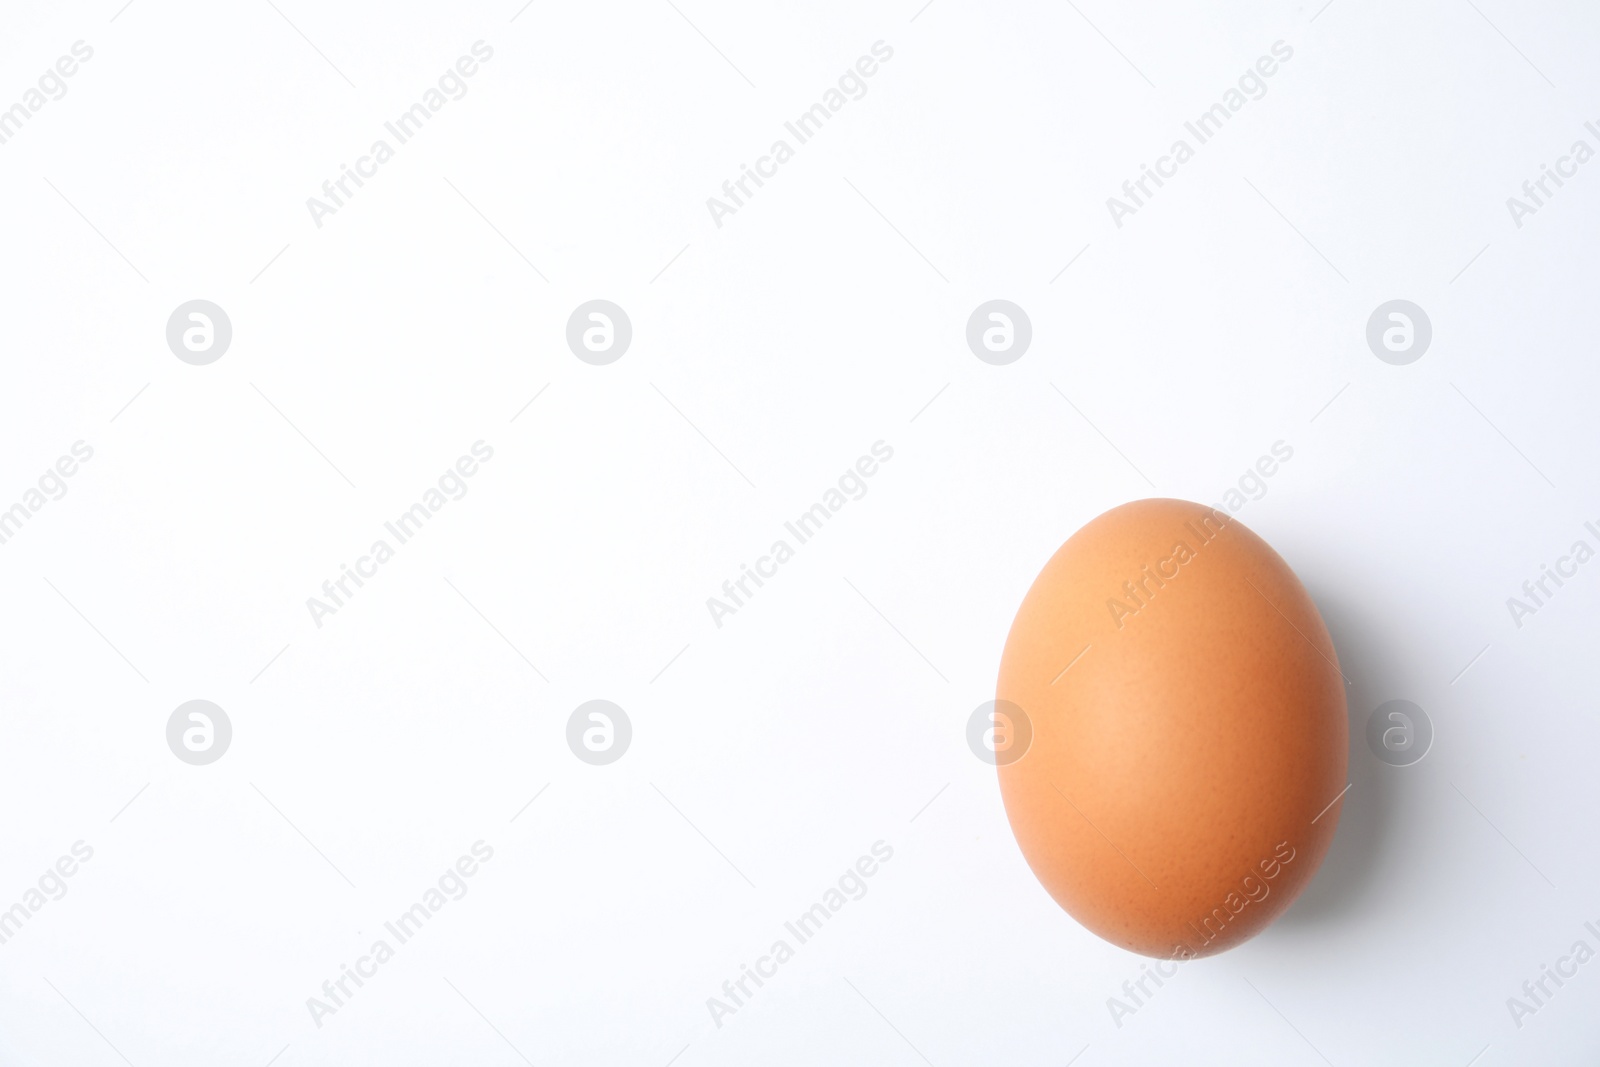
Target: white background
825,315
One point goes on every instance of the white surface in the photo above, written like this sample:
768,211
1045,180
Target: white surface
793,337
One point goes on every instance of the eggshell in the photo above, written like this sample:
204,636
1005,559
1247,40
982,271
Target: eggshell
1189,737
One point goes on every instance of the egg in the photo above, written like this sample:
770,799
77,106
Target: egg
1178,736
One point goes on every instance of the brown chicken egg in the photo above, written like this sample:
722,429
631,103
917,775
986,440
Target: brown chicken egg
1188,730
